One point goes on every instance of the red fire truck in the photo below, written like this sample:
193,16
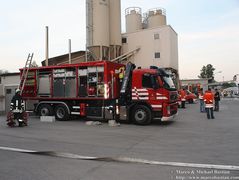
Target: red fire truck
97,90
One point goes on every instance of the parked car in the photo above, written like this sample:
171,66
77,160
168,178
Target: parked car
190,97
229,92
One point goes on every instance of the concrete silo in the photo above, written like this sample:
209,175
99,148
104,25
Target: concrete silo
133,19
98,29
115,28
156,17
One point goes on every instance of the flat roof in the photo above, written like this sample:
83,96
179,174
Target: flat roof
149,29
10,74
202,79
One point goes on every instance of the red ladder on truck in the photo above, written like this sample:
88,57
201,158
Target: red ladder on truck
25,72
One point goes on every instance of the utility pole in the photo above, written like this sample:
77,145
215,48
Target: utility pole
47,46
237,83
69,41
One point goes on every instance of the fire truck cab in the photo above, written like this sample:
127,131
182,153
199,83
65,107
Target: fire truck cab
98,90
153,96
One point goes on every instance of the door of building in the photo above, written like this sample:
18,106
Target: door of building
9,93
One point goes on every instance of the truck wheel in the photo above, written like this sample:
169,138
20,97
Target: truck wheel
61,113
45,110
141,115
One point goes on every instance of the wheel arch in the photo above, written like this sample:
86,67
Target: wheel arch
141,103
52,103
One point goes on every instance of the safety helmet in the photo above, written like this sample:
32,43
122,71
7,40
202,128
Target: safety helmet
18,90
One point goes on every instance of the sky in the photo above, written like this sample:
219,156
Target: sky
208,31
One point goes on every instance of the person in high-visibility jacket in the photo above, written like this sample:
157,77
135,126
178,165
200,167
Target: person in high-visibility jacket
202,104
121,74
208,98
183,97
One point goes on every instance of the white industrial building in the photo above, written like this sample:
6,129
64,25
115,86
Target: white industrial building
158,47
157,42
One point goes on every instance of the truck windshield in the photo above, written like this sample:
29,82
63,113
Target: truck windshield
168,83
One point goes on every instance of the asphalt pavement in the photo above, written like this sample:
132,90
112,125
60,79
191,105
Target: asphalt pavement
159,151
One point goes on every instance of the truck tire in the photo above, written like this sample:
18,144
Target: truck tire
61,113
141,115
45,110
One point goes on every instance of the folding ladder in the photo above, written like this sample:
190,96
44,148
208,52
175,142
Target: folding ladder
25,72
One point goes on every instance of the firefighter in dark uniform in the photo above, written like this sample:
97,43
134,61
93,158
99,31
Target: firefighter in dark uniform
17,110
216,100
16,102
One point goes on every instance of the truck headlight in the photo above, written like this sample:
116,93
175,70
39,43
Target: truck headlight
168,109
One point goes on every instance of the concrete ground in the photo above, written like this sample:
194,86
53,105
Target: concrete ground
190,139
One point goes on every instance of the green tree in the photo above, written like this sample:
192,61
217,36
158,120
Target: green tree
227,85
207,72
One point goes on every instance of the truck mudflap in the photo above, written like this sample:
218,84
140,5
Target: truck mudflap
169,118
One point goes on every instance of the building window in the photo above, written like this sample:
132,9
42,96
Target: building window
156,36
124,40
157,55
8,91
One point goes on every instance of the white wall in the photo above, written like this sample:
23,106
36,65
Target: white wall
203,83
167,45
1,98
8,80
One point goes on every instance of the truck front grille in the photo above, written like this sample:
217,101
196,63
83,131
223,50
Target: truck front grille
173,96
